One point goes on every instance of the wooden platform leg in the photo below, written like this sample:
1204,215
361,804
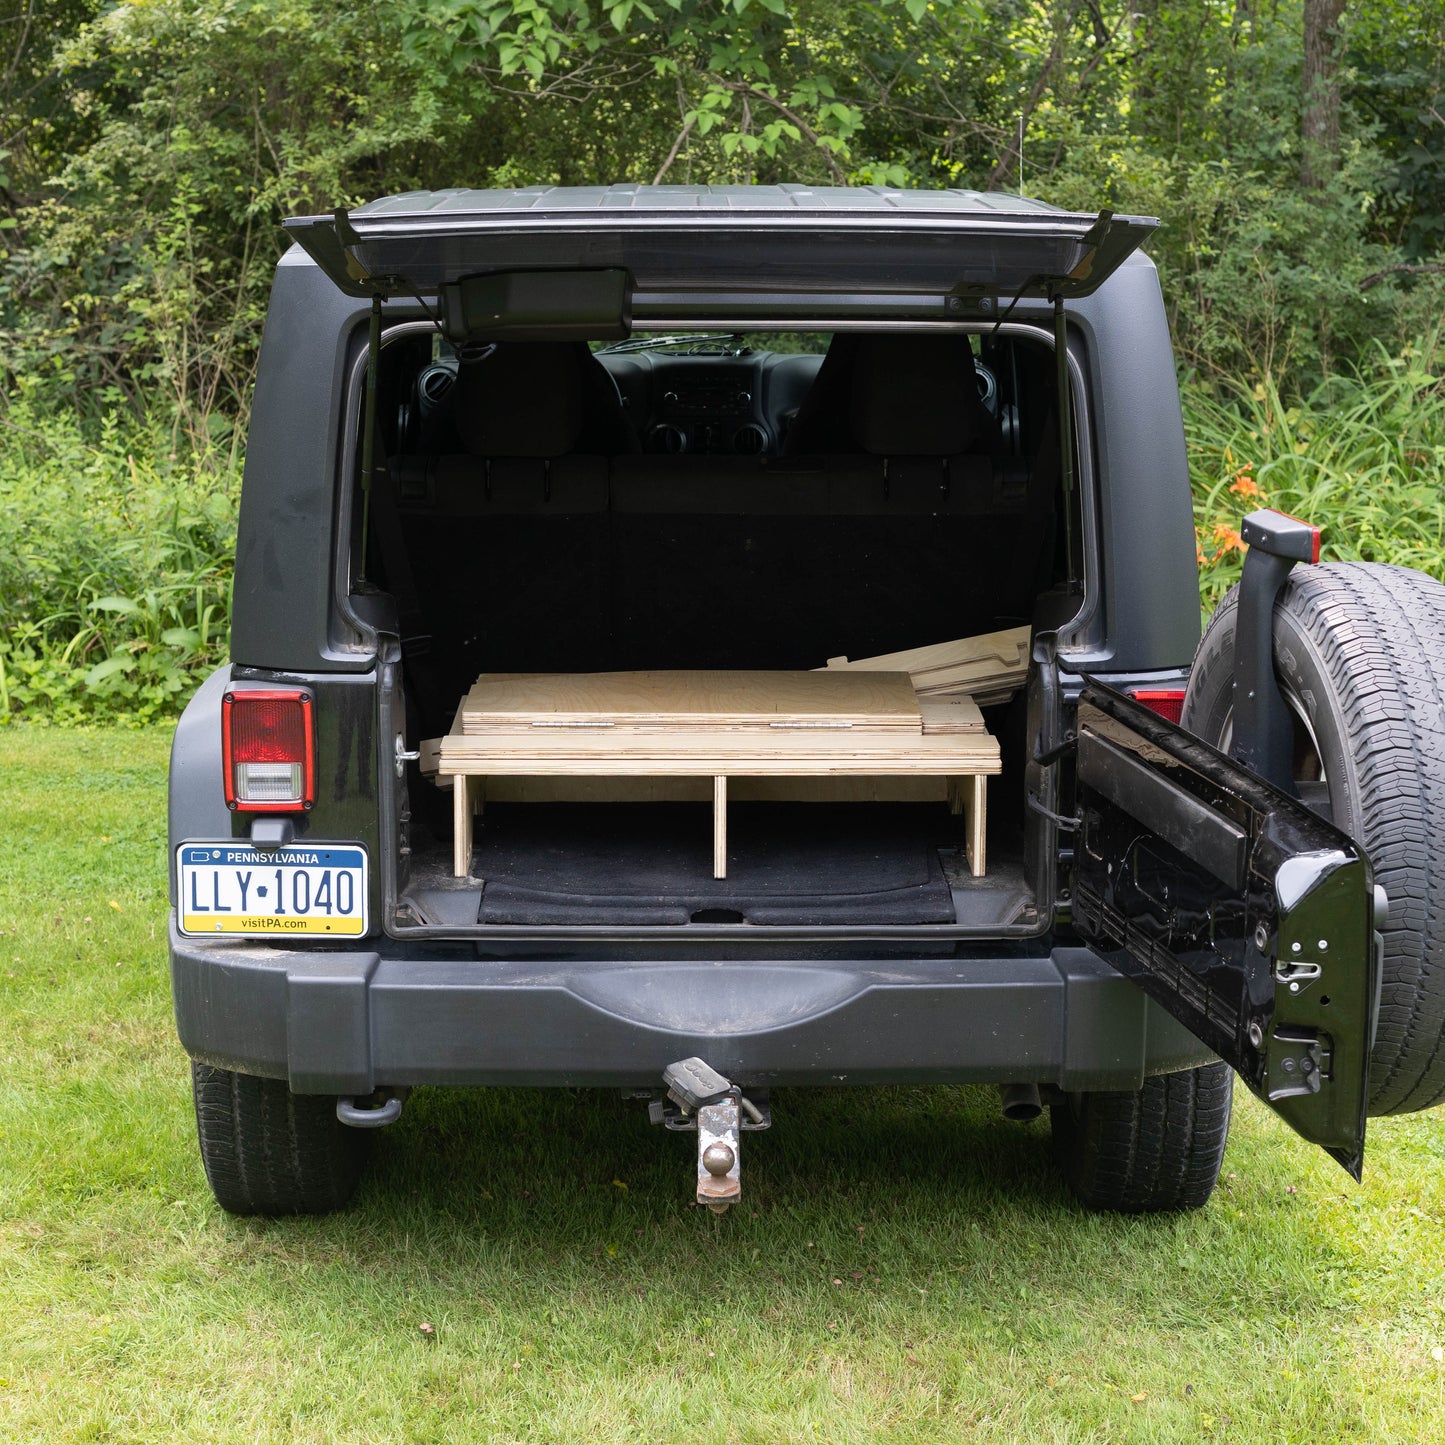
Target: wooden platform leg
720,827
462,827
977,831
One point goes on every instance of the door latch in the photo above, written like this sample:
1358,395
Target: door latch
1296,971
403,757
1296,1062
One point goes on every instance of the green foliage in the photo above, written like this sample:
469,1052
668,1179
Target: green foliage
1364,457
115,565
152,145
142,260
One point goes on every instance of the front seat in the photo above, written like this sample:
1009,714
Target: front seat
539,399
912,393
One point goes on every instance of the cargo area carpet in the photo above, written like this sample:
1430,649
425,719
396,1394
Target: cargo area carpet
651,863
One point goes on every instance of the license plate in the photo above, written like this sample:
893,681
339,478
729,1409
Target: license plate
294,891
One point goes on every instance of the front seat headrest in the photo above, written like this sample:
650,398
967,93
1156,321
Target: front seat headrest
916,395
521,399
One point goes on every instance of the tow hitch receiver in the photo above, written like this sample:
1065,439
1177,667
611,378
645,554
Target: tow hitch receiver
718,1127
699,1098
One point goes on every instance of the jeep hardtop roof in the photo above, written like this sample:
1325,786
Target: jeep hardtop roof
715,250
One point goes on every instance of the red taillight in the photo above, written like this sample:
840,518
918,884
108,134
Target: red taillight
1168,702
268,751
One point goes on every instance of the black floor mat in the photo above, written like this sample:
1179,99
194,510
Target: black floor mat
651,863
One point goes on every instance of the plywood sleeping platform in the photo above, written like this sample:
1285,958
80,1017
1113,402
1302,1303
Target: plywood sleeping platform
783,729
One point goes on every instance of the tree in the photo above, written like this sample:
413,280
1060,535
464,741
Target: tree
1320,112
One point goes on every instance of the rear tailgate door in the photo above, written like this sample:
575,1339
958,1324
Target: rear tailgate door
1248,917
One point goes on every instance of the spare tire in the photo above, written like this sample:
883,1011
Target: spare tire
1360,655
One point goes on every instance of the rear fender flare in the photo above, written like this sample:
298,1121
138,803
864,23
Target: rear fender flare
196,801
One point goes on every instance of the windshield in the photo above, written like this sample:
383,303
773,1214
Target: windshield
721,343
694,343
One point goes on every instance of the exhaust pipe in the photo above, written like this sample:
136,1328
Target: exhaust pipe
1020,1102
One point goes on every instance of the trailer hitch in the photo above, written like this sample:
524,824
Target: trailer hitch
1263,737
701,1099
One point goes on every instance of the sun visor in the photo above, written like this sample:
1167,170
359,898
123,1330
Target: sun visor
544,269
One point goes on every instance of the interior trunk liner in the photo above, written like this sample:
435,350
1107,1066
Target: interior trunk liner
651,863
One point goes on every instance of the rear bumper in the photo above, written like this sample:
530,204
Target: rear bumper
349,1022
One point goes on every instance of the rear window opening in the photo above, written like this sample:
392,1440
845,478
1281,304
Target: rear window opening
713,502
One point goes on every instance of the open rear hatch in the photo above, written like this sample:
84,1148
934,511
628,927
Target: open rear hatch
713,252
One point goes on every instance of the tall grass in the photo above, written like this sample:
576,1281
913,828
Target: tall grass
115,563
1361,455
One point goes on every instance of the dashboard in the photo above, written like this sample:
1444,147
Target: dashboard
714,403
701,398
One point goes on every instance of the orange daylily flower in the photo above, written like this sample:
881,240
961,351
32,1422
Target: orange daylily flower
1226,539
1244,486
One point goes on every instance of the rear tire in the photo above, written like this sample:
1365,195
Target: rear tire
269,1151
1360,654
1148,1152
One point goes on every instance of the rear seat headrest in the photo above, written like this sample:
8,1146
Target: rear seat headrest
521,399
916,395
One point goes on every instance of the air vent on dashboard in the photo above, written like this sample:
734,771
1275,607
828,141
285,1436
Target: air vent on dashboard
750,440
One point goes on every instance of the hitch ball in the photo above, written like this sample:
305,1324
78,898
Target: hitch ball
717,1159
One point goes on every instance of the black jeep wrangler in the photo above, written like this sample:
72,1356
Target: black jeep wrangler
651,429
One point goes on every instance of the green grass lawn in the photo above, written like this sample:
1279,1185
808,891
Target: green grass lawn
905,1266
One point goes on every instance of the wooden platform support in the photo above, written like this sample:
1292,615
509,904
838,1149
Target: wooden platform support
965,792
720,827
968,796
462,793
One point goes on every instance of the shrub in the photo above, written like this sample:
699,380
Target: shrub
115,563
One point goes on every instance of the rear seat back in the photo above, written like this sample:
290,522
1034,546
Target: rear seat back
734,562
885,525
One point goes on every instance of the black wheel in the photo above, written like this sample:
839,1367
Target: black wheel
1148,1152
269,1151
1360,655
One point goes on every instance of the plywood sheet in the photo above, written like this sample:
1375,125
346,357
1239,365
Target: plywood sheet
992,662
564,789
880,701
804,753
951,715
